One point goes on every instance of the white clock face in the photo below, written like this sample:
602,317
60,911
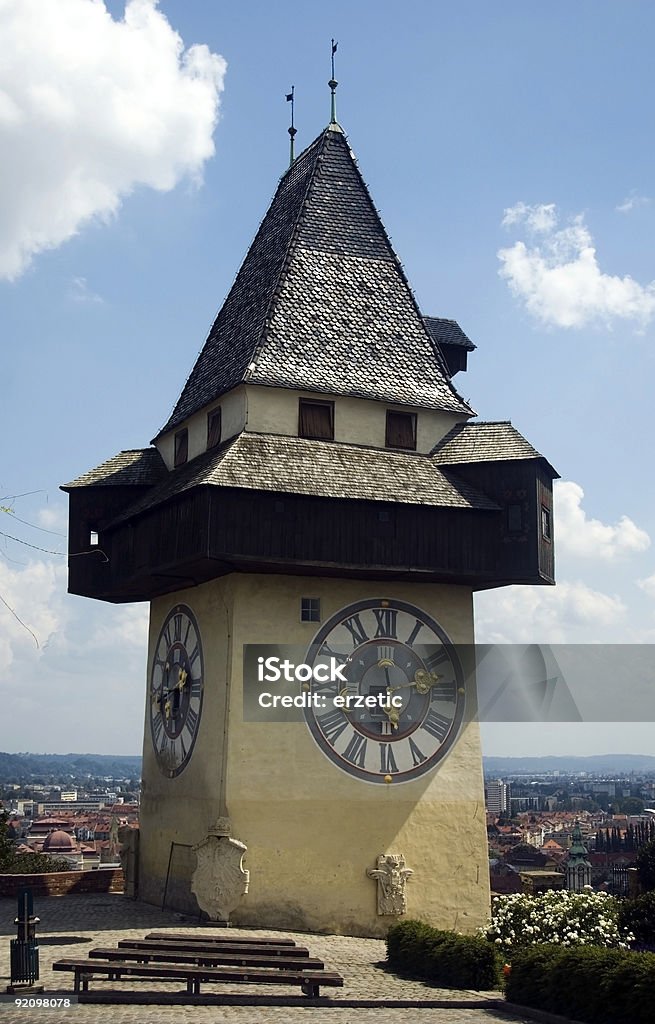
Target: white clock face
386,649
176,691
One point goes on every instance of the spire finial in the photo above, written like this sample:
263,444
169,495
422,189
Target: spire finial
292,129
333,88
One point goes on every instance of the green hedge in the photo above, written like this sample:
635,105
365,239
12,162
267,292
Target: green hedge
586,983
638,916
444,959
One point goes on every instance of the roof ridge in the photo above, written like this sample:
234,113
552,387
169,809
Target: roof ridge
488,423
319,143
405,279
172,421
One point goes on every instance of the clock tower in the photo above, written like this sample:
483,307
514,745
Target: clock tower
321,487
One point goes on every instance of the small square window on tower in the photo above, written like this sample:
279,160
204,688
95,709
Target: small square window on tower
546,528
316,420
213,428
401,430
310,609
181,447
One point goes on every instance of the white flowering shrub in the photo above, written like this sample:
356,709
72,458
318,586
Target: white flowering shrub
559,916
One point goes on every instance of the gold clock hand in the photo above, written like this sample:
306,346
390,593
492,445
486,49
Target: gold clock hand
423,681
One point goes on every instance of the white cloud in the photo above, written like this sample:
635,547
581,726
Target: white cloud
580,536
29,609
81,293
558,278
633,202
541,218
567,613
53,518
83,687
91,108
647,585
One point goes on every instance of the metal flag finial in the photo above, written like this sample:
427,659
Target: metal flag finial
292,128
333,88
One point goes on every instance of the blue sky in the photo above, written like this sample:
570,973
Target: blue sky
126,208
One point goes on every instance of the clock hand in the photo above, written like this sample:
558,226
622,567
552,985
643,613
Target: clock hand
423,681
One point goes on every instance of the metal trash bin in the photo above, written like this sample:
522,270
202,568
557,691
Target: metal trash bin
24,959
24,950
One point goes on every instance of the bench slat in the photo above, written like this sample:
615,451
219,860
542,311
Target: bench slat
211,957
183,945
264,974
213,937
85,969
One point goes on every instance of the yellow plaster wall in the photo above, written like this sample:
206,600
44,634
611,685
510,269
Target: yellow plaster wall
233,420
356,420
311,829
275,411
180,810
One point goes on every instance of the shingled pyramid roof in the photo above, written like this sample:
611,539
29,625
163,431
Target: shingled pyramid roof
321,302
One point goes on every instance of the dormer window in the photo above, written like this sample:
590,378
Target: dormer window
181,447
401,430
213,428
316,420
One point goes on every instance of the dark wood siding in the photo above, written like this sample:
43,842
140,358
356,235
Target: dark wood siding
207,532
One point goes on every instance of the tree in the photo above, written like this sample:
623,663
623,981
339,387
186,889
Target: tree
6,843
645,861
632,805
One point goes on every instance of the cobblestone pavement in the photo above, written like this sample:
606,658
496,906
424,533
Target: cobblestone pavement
71,925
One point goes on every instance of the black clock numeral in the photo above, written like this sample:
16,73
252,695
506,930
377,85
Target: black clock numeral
177,628
415,632
437,725
157,726
437,658
356,630
168,640
185,642
355,752
328,689
194,654
387,760
418,757
327,650
332,725
182,747
385,620
445,691
196,688
192,719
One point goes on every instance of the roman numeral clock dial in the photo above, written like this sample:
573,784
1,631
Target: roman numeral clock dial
401,709
176,691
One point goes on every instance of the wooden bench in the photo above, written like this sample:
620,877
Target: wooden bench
298,952
85,969
208,958
222,938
